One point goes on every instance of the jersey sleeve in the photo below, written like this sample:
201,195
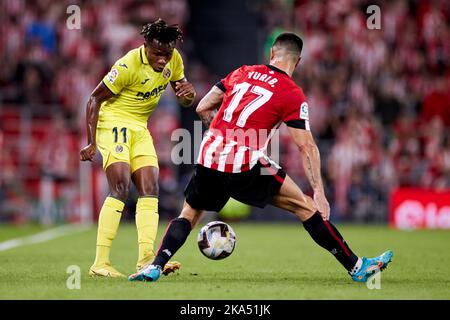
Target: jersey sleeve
227,83
295,111
118,77
177,67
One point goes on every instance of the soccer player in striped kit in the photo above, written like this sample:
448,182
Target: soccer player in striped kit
241,111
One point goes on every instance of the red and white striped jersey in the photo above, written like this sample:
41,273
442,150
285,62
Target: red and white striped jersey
257,100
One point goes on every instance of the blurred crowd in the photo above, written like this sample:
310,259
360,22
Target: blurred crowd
51,70
379,99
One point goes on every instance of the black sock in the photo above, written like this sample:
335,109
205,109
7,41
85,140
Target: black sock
175,236
327,236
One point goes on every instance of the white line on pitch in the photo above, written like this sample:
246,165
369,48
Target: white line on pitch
47,235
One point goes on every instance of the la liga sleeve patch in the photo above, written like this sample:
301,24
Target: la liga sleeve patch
304,114
112,75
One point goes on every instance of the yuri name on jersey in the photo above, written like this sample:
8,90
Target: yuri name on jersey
263,77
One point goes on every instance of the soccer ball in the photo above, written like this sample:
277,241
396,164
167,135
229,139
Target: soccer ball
216,240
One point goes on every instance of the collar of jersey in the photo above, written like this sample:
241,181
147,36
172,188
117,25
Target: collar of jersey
276,69
144,59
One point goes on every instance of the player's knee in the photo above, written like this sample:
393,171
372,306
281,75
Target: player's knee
190,215
120,190
149,189
303,210
304,213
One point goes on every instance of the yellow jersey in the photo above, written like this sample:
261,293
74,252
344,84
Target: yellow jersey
137,88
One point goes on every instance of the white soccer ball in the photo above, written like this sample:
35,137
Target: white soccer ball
216,240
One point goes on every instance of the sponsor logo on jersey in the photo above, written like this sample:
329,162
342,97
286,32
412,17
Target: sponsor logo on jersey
304,111
119,148
166,73
156,92
112,75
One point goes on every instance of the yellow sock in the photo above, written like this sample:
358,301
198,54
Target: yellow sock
108,223
147,226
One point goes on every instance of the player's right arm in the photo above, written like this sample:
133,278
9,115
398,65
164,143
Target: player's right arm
208,106
100,94
118,77
211,102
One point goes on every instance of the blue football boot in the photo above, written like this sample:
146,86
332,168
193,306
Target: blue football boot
371,266
149,273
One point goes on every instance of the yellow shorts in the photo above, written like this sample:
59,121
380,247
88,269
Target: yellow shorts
130,145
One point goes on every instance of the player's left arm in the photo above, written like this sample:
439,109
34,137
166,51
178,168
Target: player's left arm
296,116
185,92
311,165
207,107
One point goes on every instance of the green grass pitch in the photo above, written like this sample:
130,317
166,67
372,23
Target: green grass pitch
271,261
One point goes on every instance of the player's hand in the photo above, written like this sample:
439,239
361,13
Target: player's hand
322,205
88,152
184,89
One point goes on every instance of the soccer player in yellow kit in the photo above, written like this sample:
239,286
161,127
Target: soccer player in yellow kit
116,119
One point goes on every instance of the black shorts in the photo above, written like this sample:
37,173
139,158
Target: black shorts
210,189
